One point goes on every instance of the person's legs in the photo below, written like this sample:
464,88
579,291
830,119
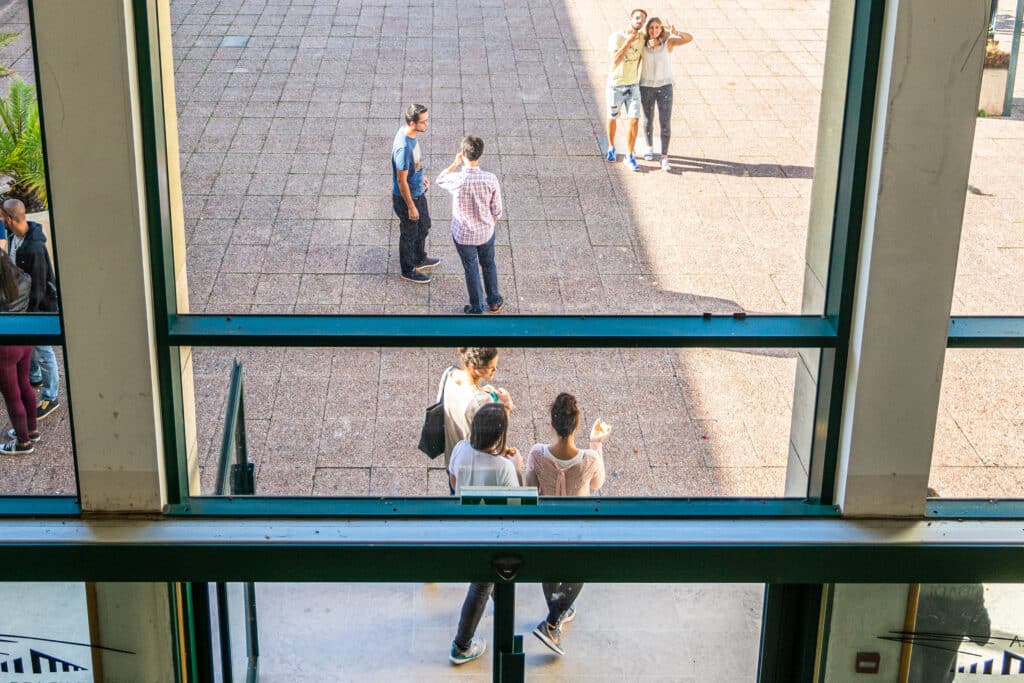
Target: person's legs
664,98
647,99
631,101
45,359
10,387
472,611
490,271
470,258
408,230
613,101
560,597
28,394
419,252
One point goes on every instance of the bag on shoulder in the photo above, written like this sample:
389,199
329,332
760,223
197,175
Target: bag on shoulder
432,434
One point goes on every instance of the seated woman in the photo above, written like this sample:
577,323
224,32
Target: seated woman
562,469
483,460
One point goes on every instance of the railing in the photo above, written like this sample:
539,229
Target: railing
235,477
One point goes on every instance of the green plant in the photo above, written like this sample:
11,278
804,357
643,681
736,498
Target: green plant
5,40
21,146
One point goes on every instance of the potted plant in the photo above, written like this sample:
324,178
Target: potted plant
993,80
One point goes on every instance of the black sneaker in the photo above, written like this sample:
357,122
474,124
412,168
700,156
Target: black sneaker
417,277
550,636
12,447
469,310
32,436
427,264
47,408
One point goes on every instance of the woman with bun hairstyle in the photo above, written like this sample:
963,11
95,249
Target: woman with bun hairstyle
562,469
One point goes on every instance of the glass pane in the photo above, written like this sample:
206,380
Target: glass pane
979,434
48,468
288,115
991,260
968,632
316,632
346,422
46,634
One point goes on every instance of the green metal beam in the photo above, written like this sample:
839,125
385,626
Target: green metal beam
667,551
449,507
515,331
972,332
40,506
38,329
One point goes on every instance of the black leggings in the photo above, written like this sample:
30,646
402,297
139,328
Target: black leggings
661,96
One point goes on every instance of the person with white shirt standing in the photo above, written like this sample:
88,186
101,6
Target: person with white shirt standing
476,208
656,83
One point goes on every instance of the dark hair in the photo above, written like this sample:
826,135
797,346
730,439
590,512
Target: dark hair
472,147
489,429
9,276
478,356
565,414
412,114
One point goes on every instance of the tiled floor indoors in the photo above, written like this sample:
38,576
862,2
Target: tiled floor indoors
285,145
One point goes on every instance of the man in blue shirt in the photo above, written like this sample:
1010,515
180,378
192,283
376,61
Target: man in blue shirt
409,199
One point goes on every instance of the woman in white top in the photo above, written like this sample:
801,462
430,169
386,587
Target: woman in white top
656,83
483,460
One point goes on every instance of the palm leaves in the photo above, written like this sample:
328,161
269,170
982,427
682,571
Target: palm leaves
21,144
5,40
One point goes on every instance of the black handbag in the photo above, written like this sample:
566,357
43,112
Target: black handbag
432,434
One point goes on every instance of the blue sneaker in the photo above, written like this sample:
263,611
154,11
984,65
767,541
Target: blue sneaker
630,161
610,156
476,649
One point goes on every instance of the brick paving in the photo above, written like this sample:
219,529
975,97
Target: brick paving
285,146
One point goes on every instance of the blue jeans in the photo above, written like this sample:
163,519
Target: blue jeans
44,368
476,258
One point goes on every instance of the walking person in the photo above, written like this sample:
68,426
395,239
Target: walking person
484,460
408,196
19,397
656,83
562,469
623,90
476,208
27,246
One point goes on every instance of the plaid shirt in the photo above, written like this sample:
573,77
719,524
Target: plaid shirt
476,204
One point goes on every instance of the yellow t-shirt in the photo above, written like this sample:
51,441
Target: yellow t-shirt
627,71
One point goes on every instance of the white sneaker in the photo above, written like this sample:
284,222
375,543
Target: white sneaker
665,165
649,155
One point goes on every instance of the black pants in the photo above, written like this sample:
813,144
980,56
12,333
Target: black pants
560,597
472,611
663,98
412,239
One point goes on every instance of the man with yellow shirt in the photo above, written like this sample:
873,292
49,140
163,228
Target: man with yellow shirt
626,50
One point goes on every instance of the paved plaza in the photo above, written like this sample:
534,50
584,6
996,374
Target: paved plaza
285,166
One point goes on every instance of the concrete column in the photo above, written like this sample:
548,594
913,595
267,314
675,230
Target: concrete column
133,617
929,80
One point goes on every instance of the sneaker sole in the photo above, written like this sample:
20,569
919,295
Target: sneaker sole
33,439
571,615
30,451
415,281
426,267
542,637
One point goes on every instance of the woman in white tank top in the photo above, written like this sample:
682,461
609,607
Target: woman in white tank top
656,83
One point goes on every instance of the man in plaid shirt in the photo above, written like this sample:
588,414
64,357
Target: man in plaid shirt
476,207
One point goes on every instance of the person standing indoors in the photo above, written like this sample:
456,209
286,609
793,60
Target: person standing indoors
476,208
623,89
562,469
27,246
408,196
656,83
484,460
19,397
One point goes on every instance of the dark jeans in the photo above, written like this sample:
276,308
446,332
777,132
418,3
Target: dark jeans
476,258
17,389
472,611
412,239
662,97
560,597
